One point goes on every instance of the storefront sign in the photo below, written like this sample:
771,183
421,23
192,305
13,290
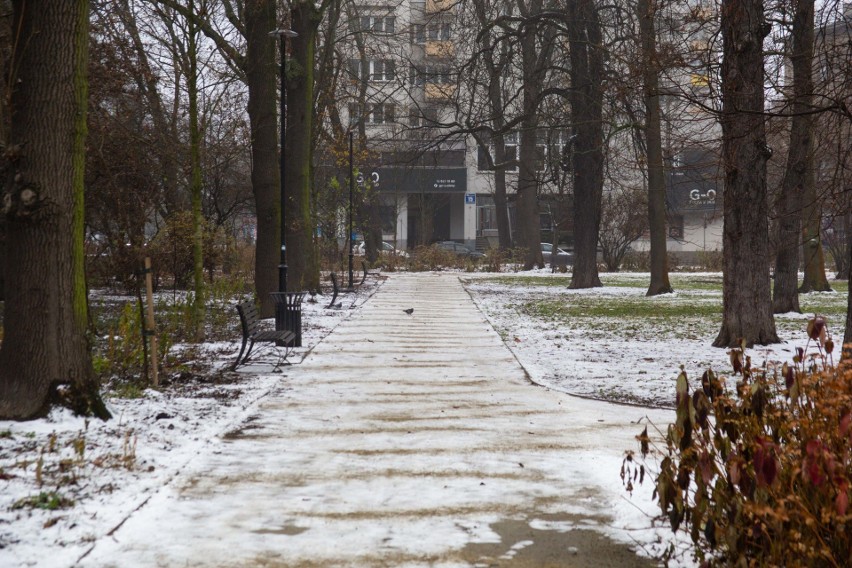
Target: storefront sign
420,180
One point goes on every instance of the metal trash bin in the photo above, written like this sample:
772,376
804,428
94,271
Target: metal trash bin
288,314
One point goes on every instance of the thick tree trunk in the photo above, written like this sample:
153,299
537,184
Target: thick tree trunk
529,220
587,117
301,257
654,153
747,304
800,163
199,301
529,223
814,279
799,170
45,312
495,69
261,72
847,334
501,201
785,290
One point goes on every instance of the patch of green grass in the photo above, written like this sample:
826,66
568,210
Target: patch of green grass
48,500
680,282
635,315
526,281
622,308
5,434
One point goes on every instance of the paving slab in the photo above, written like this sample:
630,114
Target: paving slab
403,439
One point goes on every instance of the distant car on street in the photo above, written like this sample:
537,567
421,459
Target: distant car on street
563,258
459,249
386,249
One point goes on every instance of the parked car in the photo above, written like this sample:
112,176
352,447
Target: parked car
563,258
387,249
459,249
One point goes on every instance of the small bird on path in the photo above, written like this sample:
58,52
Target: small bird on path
409,311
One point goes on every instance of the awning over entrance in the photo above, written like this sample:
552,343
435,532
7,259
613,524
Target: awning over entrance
420,180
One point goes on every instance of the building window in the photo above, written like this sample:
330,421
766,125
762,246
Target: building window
380,70
418,34
426,116
510,143
375,24
378,113
382,114
436,74
550,147
439,31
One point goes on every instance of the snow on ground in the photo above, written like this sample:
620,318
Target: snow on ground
110,469
635,355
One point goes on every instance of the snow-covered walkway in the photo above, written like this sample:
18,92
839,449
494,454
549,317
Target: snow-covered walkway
403,440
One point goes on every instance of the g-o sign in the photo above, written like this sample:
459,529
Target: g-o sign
374,178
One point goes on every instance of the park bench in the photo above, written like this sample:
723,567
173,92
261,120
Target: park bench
250,324
367,272
335,290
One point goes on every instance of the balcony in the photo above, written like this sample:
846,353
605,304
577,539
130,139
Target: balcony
439,6
441,49
439,91
698,80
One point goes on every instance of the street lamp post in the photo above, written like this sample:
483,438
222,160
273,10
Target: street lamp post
280,307
351,186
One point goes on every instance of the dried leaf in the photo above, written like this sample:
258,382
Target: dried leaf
789,375
683,477
841,502
710,533
644,442
816,327
705,466
736,356
845,422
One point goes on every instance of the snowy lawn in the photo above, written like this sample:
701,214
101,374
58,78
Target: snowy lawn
614,343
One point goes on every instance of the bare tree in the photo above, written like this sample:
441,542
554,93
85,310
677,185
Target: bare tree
623,221
659,283
746,299
587,70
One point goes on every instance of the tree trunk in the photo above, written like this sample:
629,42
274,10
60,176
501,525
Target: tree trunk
501,201
587,117
747,303
529,220
199,301
260,72
495,70
847,334
814,279
301,257
843,270
529,223
799,169
654,153
45,323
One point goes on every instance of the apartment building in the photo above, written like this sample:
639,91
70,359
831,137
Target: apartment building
405,86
